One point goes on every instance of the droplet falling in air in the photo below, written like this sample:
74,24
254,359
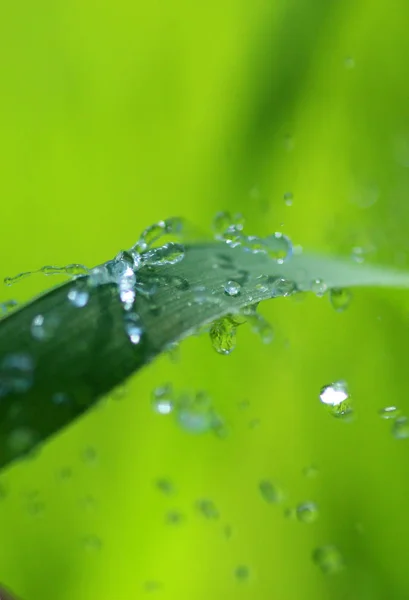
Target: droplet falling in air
270,492
400,428
207,509
329,559
307,512
165,486
16,374
223,335
169,254
174,517
91,543
78,298
336,397
133,328
288,199
340,298
242,573
44,327
319,287
224,224
163,399
279,247
389,412
232,288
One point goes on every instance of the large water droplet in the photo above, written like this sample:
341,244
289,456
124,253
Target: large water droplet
340,298
232,288
163,399
307,512
336,397
328,559
223,335
79,298
169,254
44,327
271,492
400,428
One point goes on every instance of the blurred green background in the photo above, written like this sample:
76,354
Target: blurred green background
115,115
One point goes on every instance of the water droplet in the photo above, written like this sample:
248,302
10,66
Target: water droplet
288,199
91,543
196,415
223,335
260,326
174,517
349,62
228,532
152,586
163,399
280,287
7,307
389,412
44,327
16,374
400,428
232,288
340,298
328,559
165,486
21,441
61,399
307,512
336,397
310,471
208,509
242,573
90,455
270,492
173,351
153,233
65,474
279,247
224,224
78,297
16,278
169,254
319,287
133,328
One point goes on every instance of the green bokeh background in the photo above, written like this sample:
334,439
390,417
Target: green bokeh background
115,115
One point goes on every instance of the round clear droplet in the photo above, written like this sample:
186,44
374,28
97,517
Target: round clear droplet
336,397
79,298
340,298
389,412
232,288
319,287
307,512
329,559
400,428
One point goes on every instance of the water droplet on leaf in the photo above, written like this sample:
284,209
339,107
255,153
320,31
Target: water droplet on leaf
78,297
232,288
44,327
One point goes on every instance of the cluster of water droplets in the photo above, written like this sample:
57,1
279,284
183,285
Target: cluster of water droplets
194,412
229,229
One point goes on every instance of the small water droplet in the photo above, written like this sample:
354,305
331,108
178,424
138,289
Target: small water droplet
310,471
271,492
168,254
349,63
7,307
232,288
328,559
165,486
336,397
400,428
223,335
307,512
16,374
44,327
174,517
133,328
65,474
242,573
208,509
279,247
288,199
280,287
79,298
319,287
173,351
61,399
90,455
91,543
340,298
35,507
21,441
163,399
389,412
225,223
